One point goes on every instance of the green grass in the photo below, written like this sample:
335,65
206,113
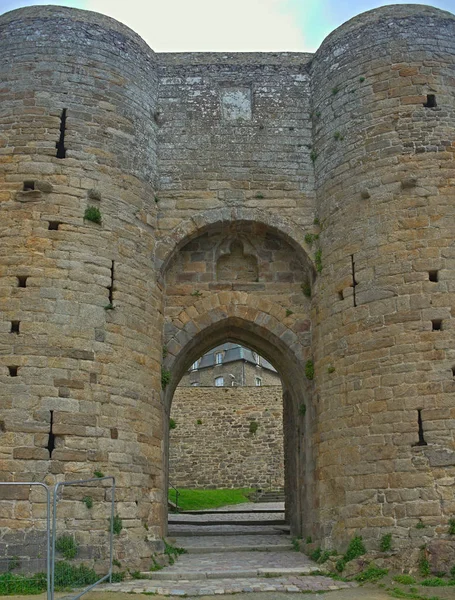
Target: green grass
203,499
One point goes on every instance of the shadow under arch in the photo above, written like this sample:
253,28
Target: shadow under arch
225,219
297,424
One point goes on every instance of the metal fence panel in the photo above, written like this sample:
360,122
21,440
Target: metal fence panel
25,519
82,531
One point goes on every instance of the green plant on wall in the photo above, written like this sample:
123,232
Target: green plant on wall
93,214
306,289
253,426
309,369
67,546
386,542
172,423
165,377
117,525
88,501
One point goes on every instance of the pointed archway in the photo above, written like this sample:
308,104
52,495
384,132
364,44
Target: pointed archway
266,335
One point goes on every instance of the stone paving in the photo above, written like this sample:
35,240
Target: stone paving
221,517
223,543
220,564
227,586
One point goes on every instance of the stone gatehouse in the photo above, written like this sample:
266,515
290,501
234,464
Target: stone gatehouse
153,206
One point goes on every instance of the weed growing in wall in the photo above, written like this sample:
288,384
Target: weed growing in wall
355,549
313,156
253,426
318,260
309,369
386,542
165,377
117,524
99,474
88,501
452,526
424,565
306,289
67,546
93,214
172,423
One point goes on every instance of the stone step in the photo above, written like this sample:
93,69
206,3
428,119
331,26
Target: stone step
218,511
306,584
231,574
240,543
242,548
210,523
192,530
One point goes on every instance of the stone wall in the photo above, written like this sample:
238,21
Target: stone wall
212,446
79,381
301,205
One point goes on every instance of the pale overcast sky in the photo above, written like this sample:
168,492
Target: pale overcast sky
233,25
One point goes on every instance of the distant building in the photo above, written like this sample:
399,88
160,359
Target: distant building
231,365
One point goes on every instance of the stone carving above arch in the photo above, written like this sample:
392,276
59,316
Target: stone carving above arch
235,264
218,219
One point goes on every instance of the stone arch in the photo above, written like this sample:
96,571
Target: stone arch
260,325
256,311
198,224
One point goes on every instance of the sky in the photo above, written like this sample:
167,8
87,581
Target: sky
228,25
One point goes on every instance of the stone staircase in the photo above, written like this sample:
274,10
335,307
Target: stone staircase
271,496
244,548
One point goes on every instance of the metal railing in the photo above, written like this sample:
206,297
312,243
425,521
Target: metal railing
58,496
23,569
177,494
18,553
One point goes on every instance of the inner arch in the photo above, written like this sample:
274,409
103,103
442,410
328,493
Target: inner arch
299,485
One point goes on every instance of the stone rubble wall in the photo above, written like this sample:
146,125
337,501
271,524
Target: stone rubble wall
211,445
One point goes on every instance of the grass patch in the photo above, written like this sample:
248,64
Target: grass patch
371,574
405,579
205,499
398,593
12,585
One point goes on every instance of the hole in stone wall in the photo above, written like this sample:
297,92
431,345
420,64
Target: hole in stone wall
53,225
354,282
436,324
431,101
28,186
340,295
60,145
453,372
2,426
13,371
114,433
111,287
421,441
51,442
22,281
433,276
15,326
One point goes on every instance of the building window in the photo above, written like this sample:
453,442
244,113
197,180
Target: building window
219,358
257,358
219,381
195,365
258,381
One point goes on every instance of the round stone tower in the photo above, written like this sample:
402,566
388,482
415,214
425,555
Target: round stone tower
79,377
383,94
